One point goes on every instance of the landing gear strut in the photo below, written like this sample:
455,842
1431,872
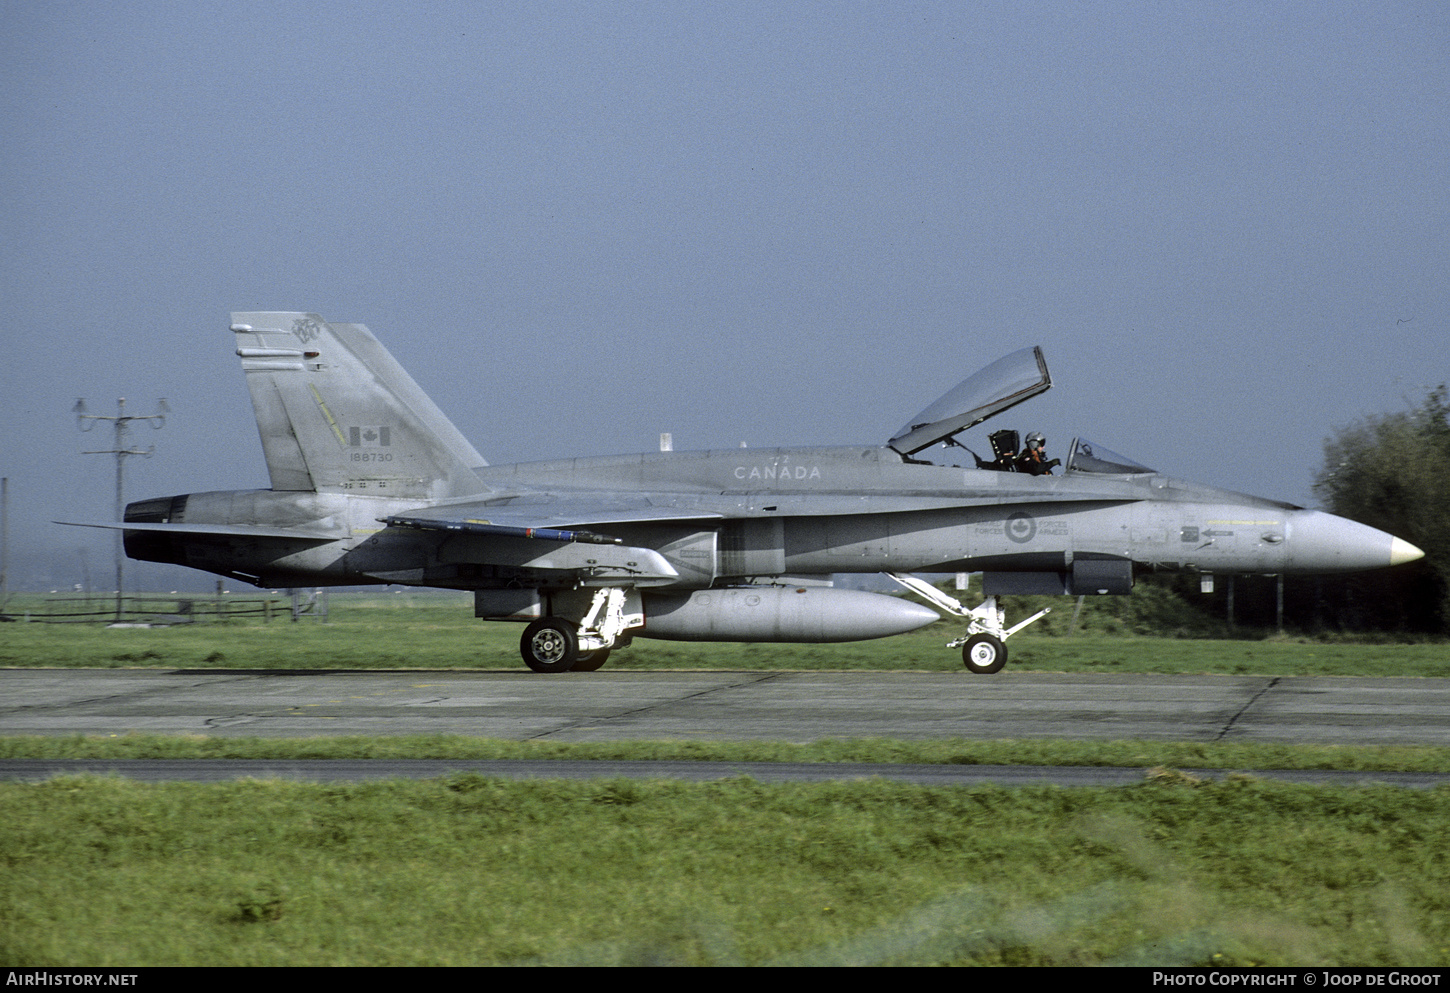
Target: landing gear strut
984,648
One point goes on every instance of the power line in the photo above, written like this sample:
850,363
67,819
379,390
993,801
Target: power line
122,422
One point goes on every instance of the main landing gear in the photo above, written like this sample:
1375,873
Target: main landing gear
557,644
984,649
550,645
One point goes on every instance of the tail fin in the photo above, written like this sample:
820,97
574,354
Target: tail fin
336,412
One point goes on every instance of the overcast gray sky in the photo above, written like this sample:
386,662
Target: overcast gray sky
581,224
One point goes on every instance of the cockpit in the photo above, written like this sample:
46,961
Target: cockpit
1002,385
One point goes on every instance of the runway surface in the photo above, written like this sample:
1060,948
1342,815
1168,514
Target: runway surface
774,706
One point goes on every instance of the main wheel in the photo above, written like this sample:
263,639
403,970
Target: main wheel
984,654
590,661
550,645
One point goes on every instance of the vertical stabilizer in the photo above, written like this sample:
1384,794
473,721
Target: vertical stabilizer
337,413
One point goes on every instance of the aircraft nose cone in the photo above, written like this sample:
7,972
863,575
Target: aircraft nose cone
1320,542
1402,552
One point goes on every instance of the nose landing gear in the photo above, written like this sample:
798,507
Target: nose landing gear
984,648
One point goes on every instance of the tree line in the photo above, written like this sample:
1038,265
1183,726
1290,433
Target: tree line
1392,472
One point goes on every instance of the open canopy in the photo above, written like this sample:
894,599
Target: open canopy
1003,384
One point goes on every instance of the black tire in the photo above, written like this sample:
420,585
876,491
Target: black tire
984,654
590,661
550,645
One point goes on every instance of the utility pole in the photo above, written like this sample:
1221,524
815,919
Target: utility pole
121,421
4,541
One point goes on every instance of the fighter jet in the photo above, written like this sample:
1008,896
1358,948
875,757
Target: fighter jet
372,484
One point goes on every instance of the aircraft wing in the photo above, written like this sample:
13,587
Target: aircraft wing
557,519
557,535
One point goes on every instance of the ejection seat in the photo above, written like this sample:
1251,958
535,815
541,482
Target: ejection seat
1005,444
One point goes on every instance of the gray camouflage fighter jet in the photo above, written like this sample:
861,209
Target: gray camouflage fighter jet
372,484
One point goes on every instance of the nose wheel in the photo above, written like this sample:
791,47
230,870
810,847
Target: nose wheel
984,654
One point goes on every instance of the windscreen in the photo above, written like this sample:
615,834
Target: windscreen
1087,456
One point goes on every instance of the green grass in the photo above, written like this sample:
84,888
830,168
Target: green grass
470,870
437,631
1139,754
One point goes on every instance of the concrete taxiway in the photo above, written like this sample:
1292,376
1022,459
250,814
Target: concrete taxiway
778,706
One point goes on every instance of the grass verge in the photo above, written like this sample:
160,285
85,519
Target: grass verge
468,870
1141,754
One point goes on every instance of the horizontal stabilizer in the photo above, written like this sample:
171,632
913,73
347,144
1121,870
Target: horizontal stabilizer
215,530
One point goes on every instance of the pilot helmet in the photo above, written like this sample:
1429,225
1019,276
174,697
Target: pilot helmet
1036,440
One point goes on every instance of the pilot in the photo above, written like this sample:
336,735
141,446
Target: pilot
1032,458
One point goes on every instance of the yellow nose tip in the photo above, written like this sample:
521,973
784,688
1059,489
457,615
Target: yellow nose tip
1402,552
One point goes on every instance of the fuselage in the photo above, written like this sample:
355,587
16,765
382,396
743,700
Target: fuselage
752,514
